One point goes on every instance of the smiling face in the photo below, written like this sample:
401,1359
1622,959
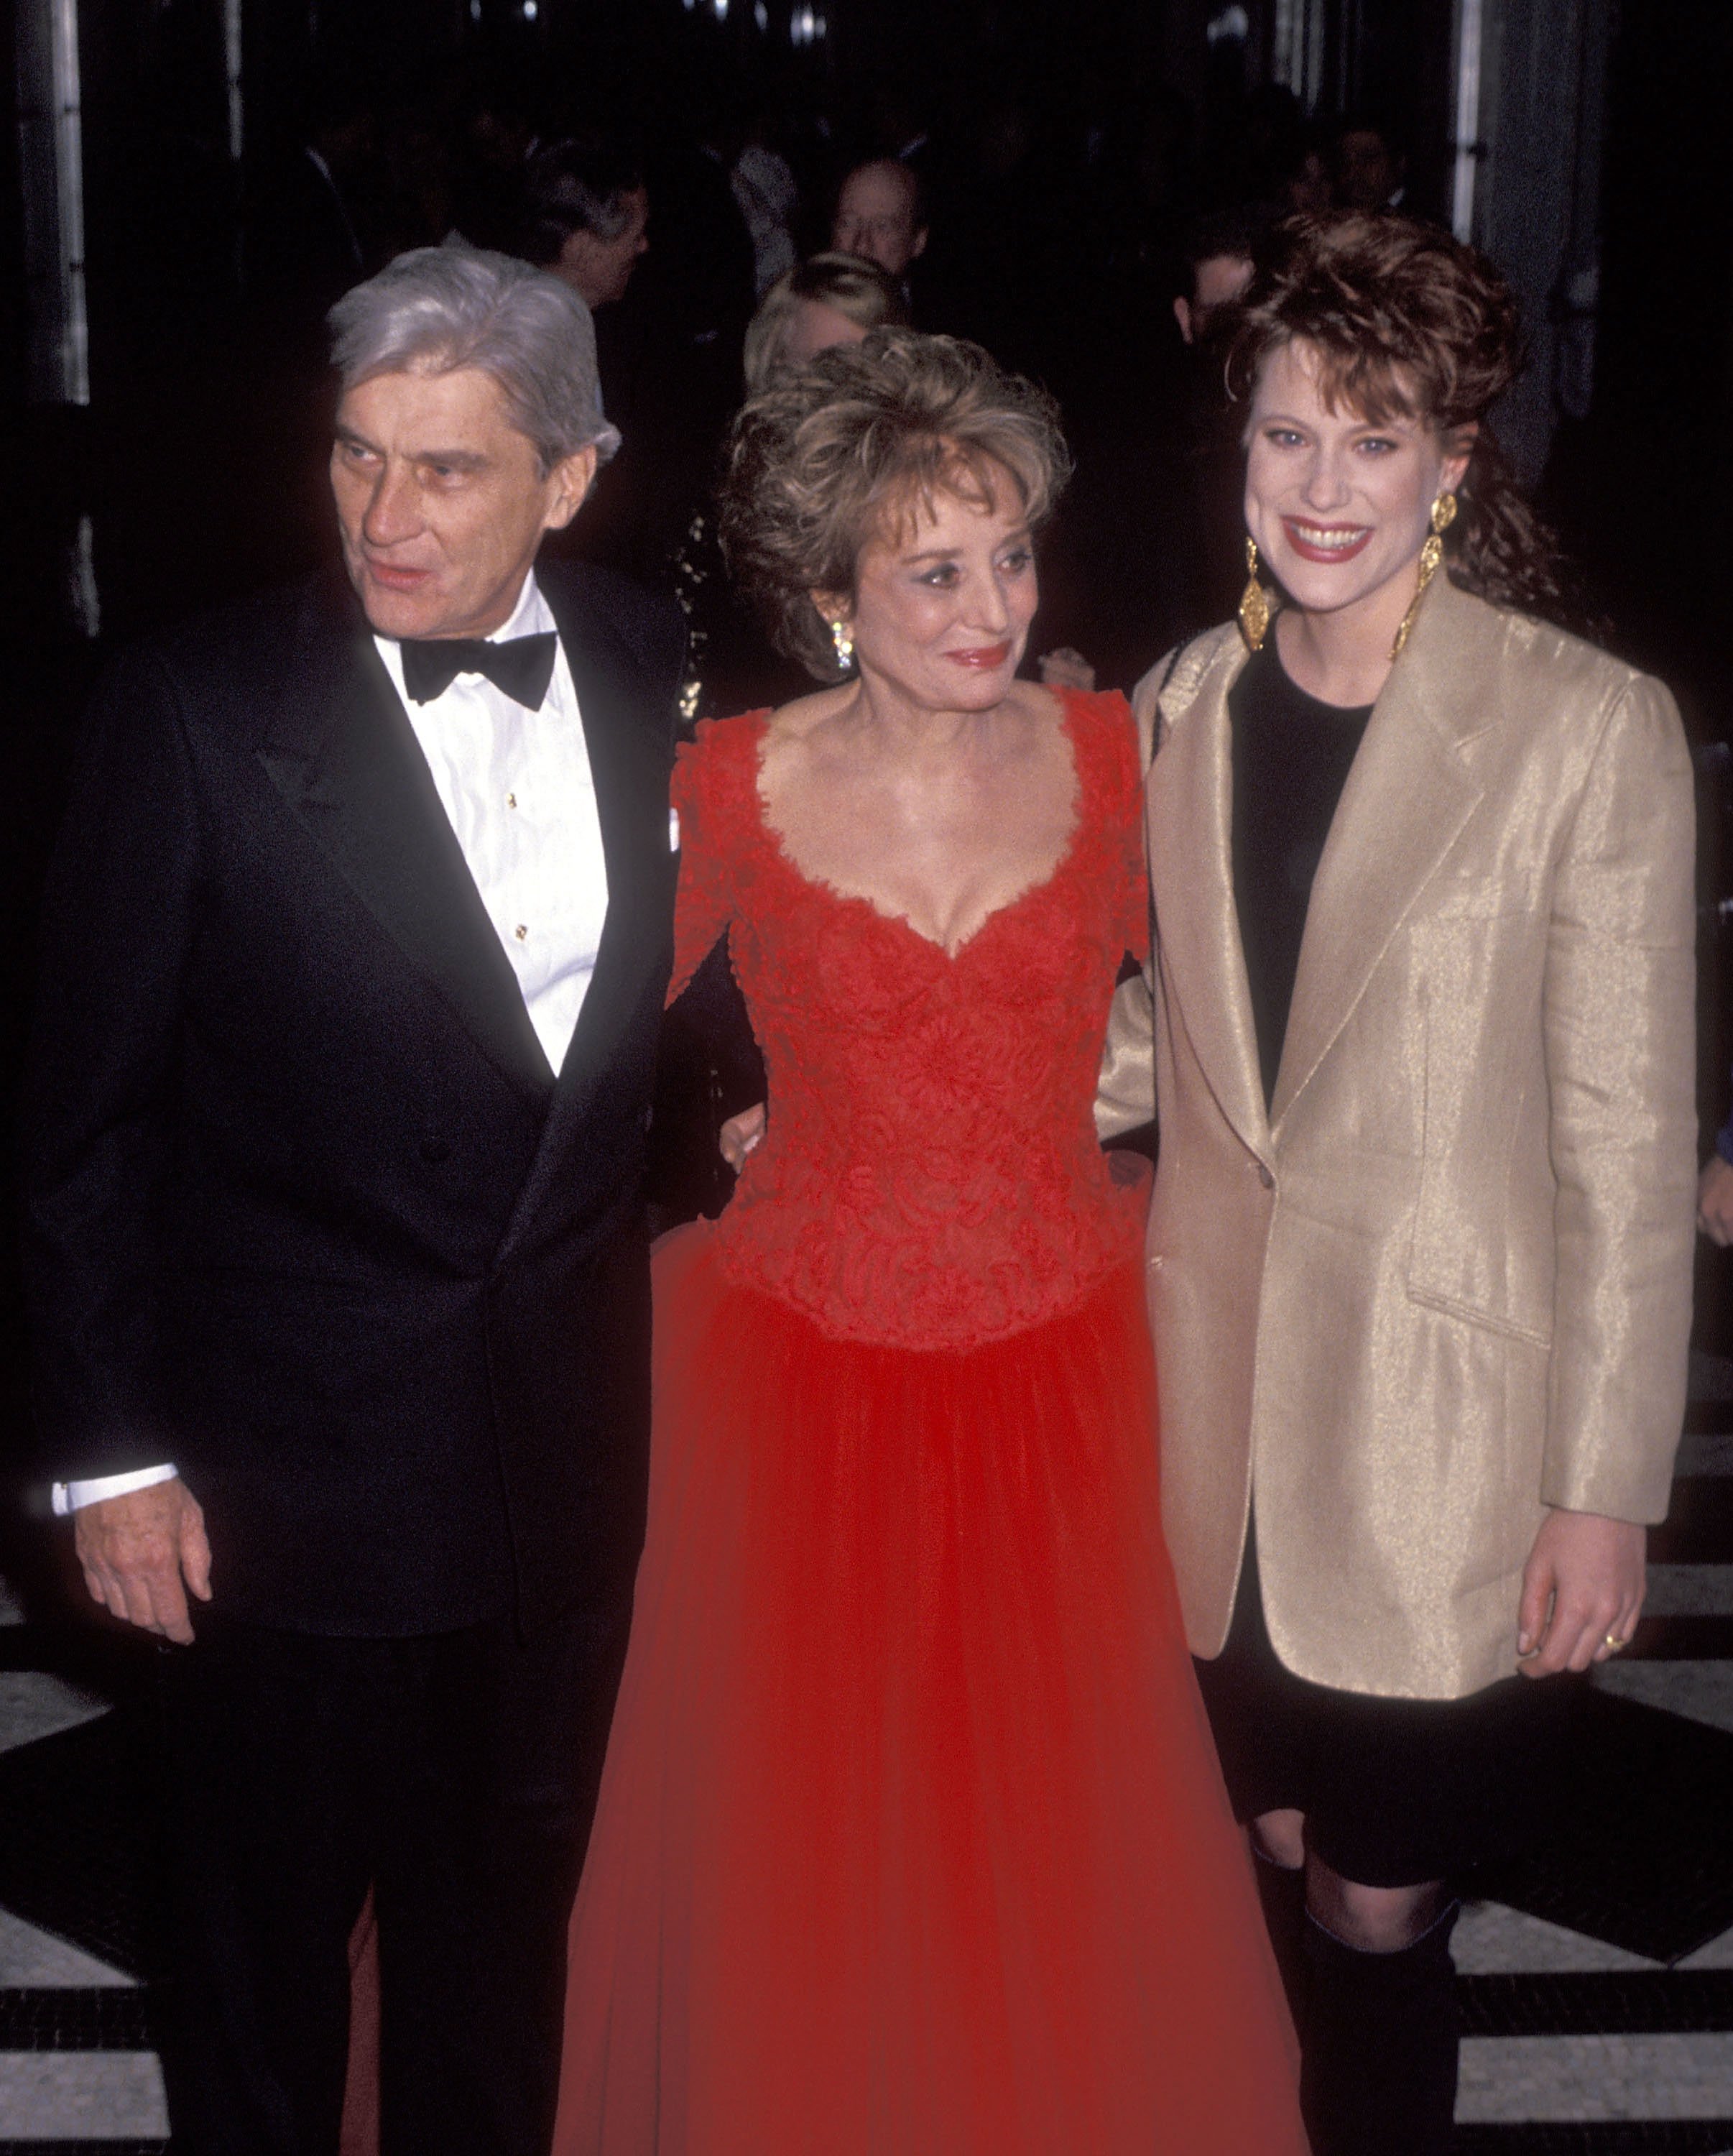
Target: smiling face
442,501
1339,506
944,600
876,216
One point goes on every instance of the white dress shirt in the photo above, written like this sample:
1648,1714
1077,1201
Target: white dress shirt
517,788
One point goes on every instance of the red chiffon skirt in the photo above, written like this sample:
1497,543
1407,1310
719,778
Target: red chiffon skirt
911,1841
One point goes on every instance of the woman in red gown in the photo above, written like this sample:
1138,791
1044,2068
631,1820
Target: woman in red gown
911,1839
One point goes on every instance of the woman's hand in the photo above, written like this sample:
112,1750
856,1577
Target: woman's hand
1065,668
740,1133
1582,1591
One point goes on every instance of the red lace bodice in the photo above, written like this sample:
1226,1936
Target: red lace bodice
930,1176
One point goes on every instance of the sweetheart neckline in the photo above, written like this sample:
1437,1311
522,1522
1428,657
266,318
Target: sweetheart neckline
950,952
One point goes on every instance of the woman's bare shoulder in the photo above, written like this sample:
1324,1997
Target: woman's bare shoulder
797,721
1036,704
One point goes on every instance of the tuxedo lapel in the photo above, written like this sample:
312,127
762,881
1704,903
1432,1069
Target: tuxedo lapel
1407,797
1190,844
340,751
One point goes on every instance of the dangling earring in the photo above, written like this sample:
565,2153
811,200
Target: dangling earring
1443,516
844,645
1253,604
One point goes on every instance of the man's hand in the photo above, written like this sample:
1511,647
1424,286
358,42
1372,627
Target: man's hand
138,1550
1714,1201
1582,1588
739,1134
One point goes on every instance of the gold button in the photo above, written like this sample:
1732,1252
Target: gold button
520,931
511,801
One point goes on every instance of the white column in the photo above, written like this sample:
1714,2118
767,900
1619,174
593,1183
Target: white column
1534,204
1467,133
1299,38
232,70
51,161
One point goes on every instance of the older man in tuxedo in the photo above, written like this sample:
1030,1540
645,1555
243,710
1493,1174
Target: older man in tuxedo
356,945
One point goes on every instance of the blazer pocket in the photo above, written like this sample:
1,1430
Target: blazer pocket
1507,1328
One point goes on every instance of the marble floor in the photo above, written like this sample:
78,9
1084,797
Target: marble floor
1576,2038
76,2069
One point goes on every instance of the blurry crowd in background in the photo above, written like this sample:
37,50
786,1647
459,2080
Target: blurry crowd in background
1091,261
1080,219
1086,248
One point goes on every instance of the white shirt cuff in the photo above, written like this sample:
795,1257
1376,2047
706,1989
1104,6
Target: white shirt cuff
74,1497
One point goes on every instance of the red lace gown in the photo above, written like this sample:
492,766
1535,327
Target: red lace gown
912,1840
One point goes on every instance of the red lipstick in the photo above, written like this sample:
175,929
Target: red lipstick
985,656
1308,551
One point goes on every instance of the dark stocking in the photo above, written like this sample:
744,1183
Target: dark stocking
1281,1889
1378,2073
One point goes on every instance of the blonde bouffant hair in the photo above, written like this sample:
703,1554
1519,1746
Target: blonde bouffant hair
859,290
843,451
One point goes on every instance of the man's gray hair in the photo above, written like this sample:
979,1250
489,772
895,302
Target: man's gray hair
437,309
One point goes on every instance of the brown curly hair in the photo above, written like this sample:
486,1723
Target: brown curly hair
839,453
1409,323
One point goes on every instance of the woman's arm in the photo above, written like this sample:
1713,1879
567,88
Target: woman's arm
1125,1091
1619,1007
1619,1016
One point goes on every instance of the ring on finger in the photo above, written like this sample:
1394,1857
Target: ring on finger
1615,1643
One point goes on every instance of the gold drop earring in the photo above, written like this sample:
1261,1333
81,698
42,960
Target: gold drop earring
1253,604
842,643
1443,516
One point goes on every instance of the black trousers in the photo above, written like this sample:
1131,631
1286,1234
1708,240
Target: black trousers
456,1775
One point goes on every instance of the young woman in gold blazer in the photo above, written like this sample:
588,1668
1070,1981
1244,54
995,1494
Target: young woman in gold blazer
1420,1249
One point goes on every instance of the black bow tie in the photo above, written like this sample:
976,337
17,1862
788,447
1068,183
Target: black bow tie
522,666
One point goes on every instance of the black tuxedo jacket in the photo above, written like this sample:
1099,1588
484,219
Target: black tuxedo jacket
307,1211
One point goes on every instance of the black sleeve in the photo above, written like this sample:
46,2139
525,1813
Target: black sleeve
671,653
100,1077
657,633
649,624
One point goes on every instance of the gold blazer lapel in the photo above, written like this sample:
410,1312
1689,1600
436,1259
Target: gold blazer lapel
1408,798
1191,846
